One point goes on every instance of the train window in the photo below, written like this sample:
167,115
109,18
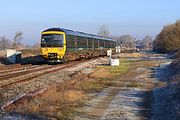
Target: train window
52,40
90,43
113,44
58,37
71,41
101,44
110,44
81,42
107,44
96,43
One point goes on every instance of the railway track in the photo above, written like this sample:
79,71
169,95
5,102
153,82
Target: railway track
22,71
20,76
17,69
13,66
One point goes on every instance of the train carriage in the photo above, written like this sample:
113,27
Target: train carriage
58,44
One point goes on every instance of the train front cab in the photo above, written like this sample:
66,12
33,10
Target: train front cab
53,45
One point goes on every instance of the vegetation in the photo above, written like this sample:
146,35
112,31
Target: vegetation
147,42
4,43
61,101
126,41
17,40
168,39
104,31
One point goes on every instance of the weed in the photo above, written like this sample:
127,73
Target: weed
133,84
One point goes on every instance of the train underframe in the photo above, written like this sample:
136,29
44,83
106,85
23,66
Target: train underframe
72,56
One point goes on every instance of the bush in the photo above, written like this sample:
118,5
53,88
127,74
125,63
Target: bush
168,39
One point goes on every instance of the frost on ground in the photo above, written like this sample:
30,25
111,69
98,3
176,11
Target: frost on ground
18,117
166,102
127,105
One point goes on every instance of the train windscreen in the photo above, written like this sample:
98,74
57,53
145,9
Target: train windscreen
52,40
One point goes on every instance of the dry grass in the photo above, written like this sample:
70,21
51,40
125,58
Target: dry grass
104,77
73,95
2,54
133,84
56,103
60,102
132,55
53,98
118,70
101,73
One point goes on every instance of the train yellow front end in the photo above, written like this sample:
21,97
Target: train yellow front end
53,45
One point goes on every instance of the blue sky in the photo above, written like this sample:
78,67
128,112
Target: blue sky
134,17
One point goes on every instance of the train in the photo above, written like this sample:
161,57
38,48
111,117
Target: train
63,45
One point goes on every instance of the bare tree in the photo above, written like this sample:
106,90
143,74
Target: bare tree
4,43
17,40
126,41
147,42
104,31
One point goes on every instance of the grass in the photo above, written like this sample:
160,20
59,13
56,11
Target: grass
2,54
56,103
133,85
118,70
105,77
60,102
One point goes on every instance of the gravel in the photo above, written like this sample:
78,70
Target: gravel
126,105
11,93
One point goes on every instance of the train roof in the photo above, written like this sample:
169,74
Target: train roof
77,33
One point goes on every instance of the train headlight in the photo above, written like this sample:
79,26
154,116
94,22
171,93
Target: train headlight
44,49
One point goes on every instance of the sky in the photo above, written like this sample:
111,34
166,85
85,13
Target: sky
134,17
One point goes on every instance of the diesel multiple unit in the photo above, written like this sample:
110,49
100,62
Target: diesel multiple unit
58,44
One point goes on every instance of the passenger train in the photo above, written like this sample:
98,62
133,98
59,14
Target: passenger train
63,45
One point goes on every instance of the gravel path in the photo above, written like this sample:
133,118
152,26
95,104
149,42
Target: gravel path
126,105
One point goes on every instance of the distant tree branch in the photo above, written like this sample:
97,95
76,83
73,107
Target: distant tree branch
17,40
104,31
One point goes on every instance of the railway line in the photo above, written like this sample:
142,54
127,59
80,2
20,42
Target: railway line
13,66
20,75
13,70
22,71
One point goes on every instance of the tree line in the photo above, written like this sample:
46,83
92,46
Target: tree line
168,39
16,43
127,41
